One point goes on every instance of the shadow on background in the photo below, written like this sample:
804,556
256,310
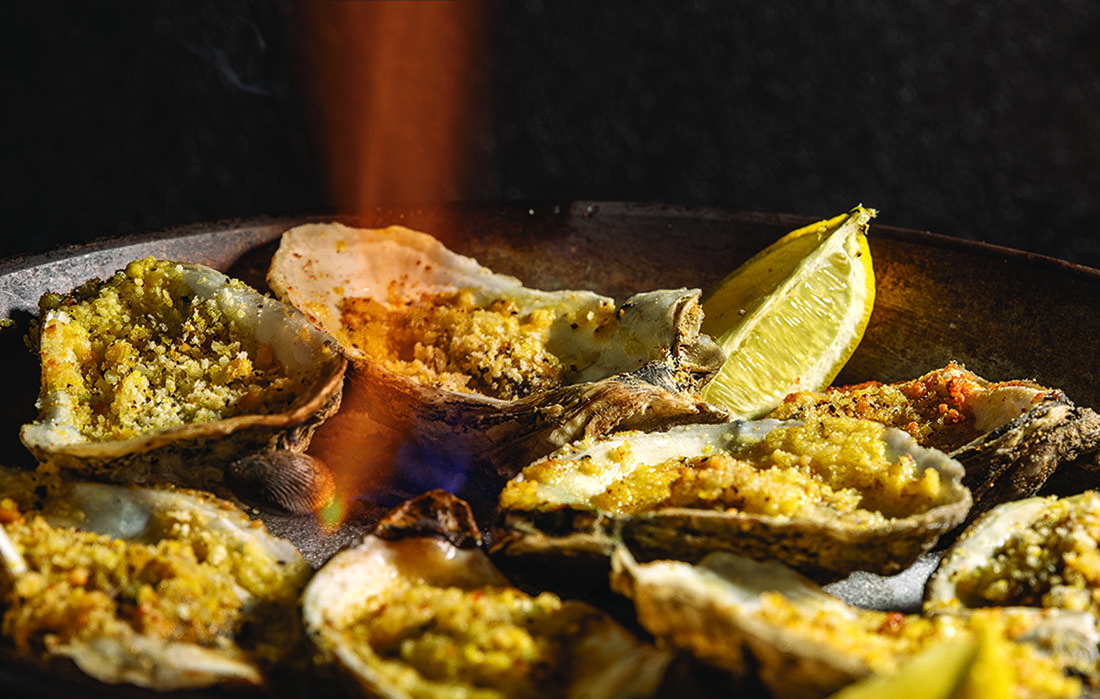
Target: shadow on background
967,119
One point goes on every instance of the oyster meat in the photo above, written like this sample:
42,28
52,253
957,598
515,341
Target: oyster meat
161,588
480,365
761,619
169,371
418,610
1009,435
828,496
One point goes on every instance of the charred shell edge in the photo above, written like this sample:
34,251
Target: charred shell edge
1015,460
436,513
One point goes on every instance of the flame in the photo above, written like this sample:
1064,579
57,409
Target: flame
376,463
362,455
397,86
397,92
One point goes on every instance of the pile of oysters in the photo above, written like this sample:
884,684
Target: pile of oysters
564,515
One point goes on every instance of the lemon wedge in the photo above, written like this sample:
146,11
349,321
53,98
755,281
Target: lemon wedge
991,675
791,316
971,667
936,672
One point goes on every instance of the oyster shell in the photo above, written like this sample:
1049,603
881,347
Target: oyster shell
162,588
168,371
760,618
282,482
827,497
1038,552
1009,435
417,609
1038,555
479,364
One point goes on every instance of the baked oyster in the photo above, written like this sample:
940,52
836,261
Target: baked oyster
161,588
479,365
1009,435
418,610
1040,552
168,371
827,496
761,619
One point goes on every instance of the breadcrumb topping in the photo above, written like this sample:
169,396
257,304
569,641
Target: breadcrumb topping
834,467
938,409
882,640
450,342
141,351
485,642
1054,561
186,581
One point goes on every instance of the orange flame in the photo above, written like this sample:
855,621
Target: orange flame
398,95
397,85
361,454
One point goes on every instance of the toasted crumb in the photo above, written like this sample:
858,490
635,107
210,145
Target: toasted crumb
882,640
140,352
1052,562
186,586
835,467
449,341
486,642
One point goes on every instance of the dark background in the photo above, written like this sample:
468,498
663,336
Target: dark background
976,120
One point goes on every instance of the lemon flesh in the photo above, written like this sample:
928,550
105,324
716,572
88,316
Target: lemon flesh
991,675
938,672
972,667
791,316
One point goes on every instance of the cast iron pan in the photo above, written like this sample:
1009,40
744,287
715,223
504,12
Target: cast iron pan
1003,313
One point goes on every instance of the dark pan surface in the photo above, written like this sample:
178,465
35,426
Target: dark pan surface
1003,313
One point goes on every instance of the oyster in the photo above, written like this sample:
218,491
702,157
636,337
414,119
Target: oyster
1038,552
480,365
828,497
169,371
1009,435
760,618
161,588
417,609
